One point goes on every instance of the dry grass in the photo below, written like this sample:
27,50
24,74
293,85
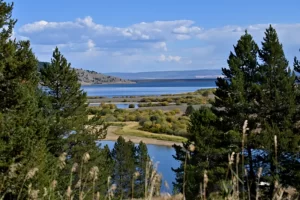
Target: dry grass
131,128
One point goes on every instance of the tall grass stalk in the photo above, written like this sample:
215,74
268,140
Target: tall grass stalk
237,175
205,181
184,174
257,183
31,173
243,156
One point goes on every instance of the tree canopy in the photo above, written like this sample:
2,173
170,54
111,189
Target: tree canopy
251,124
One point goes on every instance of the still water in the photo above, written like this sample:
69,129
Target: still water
149,88
162,155
118,105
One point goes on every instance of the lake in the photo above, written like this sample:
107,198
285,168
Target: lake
118,105
149,87
163,155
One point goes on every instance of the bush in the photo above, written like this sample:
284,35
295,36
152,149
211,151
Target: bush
93,111
105,111
131,106
165,103
205,93
147,124
177,110
189,110
110,118
155,121
178,102
107,106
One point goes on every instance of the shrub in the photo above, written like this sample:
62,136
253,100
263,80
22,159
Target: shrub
177,110
189,110
205,93
178,102
131,106
112,106
93,111
110,118
105,111
169,100
147,124
107,106
165,103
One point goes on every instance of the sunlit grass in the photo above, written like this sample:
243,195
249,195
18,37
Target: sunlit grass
132,129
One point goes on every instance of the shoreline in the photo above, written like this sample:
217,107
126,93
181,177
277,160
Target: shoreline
113,83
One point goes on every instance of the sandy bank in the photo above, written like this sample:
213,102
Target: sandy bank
111,136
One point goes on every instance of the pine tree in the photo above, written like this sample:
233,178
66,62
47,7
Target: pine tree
123,155
277,106
210,153
142,161
22,127
67,99
294,164
236,92
236,98
71,131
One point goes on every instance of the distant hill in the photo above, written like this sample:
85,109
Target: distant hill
188,74
87,77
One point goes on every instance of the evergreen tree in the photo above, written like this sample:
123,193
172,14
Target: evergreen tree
264,95
66,97
277,104
210,154
123,155
236,93
292,172
234,103
277,107
236,98
142,161
71,131
22,127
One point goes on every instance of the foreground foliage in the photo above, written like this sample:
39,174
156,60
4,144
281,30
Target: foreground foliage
265,95
48,145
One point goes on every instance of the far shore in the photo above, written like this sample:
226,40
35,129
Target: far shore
112,83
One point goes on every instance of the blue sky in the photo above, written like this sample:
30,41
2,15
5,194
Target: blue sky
135,35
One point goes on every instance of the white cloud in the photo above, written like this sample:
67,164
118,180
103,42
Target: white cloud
187,30
145,43
163,58
80,29
161,45
182,37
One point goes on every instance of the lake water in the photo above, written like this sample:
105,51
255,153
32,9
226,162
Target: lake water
125,105
163,155
149,87
119,105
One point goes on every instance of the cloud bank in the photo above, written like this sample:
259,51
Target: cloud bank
146,46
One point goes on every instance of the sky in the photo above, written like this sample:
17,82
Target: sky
157,35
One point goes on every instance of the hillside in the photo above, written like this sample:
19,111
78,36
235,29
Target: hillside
187,74
87,77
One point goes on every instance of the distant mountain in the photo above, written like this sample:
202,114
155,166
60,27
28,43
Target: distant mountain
87,77
188,74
